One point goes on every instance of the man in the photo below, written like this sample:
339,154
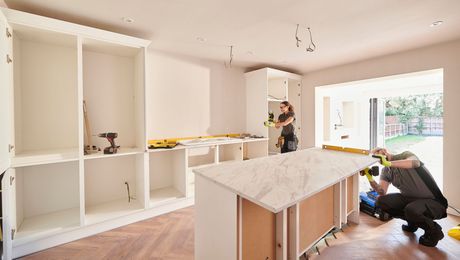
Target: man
419,202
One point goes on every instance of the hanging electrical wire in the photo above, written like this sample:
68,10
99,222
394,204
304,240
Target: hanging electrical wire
311,46
298,41
230,58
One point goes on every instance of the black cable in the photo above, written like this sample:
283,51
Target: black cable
312,44
297,37
454,209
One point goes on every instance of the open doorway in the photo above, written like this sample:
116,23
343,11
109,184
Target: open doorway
401,112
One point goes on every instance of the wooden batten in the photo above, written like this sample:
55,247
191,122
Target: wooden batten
350,194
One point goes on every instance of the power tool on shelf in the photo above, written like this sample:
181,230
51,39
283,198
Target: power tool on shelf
111,138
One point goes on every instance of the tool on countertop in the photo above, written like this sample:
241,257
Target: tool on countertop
271,120
111,138
165,144
169,143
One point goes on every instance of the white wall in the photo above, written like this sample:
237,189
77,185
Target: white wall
446,56
193,97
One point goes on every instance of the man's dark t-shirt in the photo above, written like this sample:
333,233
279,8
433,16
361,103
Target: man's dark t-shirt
408,181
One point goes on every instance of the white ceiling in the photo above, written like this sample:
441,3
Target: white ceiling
344,31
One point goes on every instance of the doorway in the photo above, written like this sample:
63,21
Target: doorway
400,112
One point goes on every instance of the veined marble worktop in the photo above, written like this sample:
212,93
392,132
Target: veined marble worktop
280,181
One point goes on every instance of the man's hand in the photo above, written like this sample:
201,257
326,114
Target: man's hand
368,175
383,160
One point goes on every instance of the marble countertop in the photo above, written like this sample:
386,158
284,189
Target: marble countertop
278,182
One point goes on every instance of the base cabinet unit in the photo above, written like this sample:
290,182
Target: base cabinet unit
113,187
168,180
45,200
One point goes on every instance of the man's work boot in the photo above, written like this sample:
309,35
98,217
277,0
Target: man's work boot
409,227
432,236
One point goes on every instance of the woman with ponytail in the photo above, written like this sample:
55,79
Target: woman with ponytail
287,121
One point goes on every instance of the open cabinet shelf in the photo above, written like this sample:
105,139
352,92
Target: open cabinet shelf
120,152
106,187
47,200
167,176
45,96
113,90
231,152
44,157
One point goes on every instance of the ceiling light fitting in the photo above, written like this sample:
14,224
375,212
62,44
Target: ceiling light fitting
436,23
200,39
127,20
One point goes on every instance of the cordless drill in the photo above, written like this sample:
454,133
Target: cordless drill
111,138
271,120
373,171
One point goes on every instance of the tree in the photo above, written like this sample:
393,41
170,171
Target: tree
420,106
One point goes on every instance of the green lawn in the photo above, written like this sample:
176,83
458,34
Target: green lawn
402,143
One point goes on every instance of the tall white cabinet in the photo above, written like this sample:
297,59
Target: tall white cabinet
51,192
265,89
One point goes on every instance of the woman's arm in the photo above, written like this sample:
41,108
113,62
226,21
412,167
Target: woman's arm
284,123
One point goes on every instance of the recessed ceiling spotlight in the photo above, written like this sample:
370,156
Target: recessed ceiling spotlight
436,23
127,20
200,39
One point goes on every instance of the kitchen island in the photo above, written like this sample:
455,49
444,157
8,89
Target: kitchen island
275,207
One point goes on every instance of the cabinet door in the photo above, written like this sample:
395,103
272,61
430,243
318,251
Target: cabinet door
294,98
8,212
6,81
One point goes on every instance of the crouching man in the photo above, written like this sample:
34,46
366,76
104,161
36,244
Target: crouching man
419,202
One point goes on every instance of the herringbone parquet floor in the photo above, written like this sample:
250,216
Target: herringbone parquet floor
170,237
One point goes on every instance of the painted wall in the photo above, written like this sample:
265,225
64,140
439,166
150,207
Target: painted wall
193,97
446,56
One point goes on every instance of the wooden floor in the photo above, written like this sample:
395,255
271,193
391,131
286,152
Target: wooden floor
171,237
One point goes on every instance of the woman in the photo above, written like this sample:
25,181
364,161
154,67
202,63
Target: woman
287,120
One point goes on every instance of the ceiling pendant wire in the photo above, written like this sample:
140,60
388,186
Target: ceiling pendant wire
311,47
230,58
298,41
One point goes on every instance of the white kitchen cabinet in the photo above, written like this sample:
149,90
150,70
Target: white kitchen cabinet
265,89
